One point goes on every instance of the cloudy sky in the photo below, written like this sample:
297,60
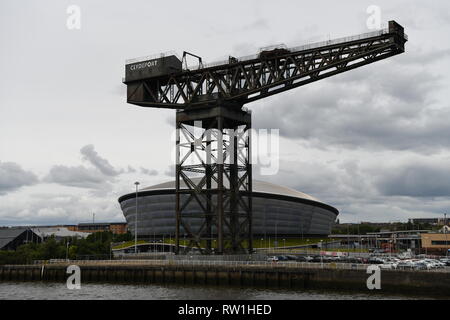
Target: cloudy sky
374,142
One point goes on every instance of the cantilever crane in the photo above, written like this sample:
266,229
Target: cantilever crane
218,205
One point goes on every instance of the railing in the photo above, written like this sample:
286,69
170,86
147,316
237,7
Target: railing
153,56
300,48
250,264
255,56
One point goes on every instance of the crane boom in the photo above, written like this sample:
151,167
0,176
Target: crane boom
249,79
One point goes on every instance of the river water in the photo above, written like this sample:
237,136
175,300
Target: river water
59,291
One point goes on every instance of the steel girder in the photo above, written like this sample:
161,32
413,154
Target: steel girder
213,211
251,80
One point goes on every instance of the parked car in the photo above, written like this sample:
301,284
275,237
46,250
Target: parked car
272,259
421,265
292,258
377,251
406,265
317,259
375,260
335,259
282,258
388,265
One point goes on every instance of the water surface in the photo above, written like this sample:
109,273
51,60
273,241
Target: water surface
92,291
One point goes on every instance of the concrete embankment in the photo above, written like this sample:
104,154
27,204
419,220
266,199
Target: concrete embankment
269,276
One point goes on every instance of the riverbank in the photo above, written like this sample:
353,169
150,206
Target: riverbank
277,276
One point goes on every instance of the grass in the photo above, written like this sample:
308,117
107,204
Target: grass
128,244
289,242
257,243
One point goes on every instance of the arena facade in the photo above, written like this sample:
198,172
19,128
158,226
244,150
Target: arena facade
277,211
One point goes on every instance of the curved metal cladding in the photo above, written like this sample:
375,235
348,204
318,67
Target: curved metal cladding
277,211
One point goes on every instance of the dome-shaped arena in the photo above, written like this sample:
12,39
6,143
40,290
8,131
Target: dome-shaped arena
277,211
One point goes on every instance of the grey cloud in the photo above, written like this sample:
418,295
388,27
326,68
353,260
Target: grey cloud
98,178
130,169
80,177
423,57
381,108
170,172
149,172
13,177
100,163
376,192
321,180
58,208
420,179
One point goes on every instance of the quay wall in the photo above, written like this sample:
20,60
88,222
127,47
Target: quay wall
392,282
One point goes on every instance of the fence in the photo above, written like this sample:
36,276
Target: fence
237,264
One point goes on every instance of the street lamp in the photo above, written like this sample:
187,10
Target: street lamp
67,250
321,256
135,219
445,231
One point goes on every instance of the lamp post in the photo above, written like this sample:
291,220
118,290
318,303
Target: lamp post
445,231
67,250
135,219
321,256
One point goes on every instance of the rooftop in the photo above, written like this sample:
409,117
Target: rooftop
258,186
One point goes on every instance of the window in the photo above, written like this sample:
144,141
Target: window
440,243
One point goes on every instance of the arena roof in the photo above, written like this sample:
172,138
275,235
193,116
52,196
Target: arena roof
260,189
258,186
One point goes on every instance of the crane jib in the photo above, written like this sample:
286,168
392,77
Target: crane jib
163,83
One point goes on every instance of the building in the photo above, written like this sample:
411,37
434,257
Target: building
436,242
277,212
385,239
80,230
11,238
57,232
114,227
432,221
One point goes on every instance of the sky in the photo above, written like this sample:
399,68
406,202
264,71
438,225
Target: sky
373,142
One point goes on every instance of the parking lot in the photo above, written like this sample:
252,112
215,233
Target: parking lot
384,262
